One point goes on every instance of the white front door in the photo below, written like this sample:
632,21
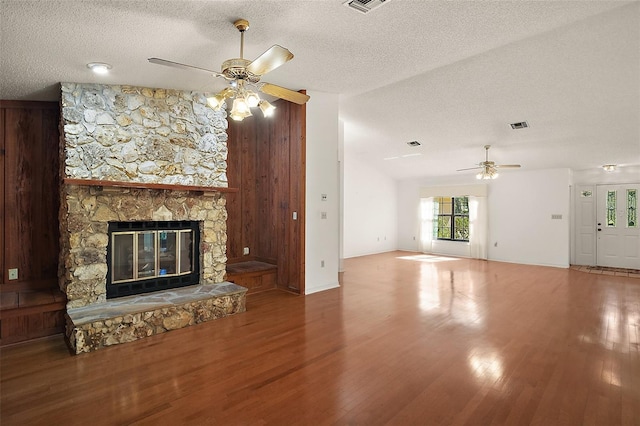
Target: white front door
618,233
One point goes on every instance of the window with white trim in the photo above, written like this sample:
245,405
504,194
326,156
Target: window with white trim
451,218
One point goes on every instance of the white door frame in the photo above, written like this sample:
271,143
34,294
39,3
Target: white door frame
585,242
617,246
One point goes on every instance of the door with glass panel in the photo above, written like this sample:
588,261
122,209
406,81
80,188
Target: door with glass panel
618,233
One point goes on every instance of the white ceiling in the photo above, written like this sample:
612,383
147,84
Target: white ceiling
449,74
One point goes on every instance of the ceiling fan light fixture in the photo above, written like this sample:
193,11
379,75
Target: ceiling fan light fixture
266,107
241,73
240,106
609,167
239,116
487,173
240,109
252,99
218,100
215,102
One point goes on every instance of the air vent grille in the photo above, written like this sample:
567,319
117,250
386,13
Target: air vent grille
364,6
520,125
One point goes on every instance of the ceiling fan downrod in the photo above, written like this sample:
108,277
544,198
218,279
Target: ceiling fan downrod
242,25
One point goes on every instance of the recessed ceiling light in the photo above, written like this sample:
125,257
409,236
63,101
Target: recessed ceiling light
99,67
609,167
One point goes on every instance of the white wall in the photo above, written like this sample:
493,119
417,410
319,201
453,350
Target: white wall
597,176
370,209
520,209
322,177
409,214
520,205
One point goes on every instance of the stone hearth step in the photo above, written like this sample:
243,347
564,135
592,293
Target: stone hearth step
126,319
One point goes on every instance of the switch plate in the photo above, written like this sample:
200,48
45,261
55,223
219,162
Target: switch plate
13,273
323,215
245,251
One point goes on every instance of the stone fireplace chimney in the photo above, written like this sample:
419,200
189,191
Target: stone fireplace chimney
136,154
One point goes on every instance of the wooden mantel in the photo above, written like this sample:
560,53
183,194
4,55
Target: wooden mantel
143,185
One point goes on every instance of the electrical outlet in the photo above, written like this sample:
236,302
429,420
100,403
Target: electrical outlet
323,215
323,197
13,274
245,251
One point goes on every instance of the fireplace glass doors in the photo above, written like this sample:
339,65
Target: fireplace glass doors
151,256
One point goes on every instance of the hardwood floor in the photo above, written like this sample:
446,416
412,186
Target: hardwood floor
408,339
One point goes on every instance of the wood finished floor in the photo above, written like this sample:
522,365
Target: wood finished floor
408,339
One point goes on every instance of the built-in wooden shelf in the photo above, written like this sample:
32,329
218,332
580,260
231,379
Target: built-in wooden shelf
143,185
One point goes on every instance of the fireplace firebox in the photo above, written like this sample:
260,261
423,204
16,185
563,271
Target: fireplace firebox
149,256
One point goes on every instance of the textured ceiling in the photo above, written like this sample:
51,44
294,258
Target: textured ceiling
450,74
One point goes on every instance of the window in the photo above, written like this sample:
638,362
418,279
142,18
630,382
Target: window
451,218
632,208
611,209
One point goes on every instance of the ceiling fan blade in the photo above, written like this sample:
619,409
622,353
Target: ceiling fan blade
508,166
286,94
271,59
470,168
167,63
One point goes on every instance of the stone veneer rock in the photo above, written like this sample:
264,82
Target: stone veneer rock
84,239
130,318
138,135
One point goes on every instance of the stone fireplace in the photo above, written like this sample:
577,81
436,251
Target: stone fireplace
138,155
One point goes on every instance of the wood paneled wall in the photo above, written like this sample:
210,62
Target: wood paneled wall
31,199
32,305
267,163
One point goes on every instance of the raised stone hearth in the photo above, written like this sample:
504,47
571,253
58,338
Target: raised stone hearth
130,318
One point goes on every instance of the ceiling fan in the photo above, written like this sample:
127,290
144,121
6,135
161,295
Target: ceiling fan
489,169
244,77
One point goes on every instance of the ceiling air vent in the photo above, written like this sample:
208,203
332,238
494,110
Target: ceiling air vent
364,6
414,143
520,125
